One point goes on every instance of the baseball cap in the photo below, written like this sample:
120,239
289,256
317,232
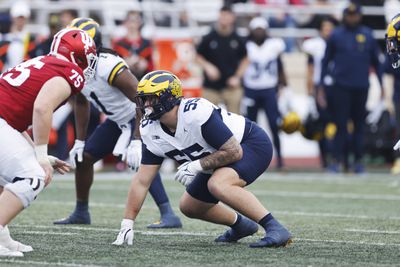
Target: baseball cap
352,8
20,9
258,22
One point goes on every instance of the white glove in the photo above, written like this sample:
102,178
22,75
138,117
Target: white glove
125,234
133,154
376,113
76,152
187,172
312,107
397,145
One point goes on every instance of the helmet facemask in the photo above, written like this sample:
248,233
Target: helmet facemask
90,71
153,106
393,51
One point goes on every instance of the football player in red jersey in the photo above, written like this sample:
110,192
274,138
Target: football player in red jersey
29,93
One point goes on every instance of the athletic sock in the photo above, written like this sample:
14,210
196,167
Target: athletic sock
265,220
81,207
166,209
5,237
236,224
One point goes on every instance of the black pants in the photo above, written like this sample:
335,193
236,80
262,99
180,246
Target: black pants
349,104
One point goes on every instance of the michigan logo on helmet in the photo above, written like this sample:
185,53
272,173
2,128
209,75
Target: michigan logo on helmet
157,93
393,41
90,26
290,123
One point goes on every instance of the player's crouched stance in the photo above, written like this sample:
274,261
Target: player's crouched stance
220,153
29,93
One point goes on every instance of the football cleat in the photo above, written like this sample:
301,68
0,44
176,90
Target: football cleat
166,222
18,246
246,227
276,236
75,218
5,252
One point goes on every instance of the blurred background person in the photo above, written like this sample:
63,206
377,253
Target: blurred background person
315,50
133,48
352,50
66,16
263,77
19,44
222,55
43,46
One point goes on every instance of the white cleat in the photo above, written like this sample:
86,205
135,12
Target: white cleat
18,246
5,252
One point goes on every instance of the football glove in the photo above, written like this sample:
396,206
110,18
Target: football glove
76,152
312,107
133,154
397,145
187,172
376,113
125,234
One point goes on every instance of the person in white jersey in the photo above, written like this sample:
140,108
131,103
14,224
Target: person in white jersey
112,91
263,77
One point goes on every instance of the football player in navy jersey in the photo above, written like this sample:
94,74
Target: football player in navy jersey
220,153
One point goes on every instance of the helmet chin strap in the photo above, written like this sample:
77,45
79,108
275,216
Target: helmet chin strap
71,55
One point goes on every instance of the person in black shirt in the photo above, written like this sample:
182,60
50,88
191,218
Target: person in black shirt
222,55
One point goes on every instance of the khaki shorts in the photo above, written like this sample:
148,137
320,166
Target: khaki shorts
231,97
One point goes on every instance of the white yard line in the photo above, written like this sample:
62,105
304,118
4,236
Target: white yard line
380,244
291,194
352,196
335,215
209,234
47,263
45,233
373,231
282,212
380,178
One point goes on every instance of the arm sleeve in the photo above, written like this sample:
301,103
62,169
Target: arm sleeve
215,138
148,158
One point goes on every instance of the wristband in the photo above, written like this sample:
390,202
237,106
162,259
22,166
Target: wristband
41,153
127,223
196,166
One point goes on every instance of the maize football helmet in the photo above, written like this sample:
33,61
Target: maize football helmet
157,93
78,47
290,123
90,26
393,41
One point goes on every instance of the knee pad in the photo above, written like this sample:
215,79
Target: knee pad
26,189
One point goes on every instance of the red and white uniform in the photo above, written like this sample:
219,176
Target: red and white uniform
20,86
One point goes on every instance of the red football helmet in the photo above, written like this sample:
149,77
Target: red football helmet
78,47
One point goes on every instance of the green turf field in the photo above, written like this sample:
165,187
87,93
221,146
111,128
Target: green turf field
336,220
